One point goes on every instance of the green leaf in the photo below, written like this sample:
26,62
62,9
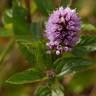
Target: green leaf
57,92
83,51
28,51
8,16
42,58
20,25
35,53
58,64
27,76
45,6
87,41
70,64
43,91
80,51
76,63
88,27
57,89
86,45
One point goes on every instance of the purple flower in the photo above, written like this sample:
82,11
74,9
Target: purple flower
62,30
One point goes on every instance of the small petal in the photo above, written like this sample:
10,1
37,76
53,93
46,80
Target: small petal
66,49
57,52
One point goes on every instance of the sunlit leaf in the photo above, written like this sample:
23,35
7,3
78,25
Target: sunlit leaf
7,16
57,89
27,76
43,91
88,27
70,64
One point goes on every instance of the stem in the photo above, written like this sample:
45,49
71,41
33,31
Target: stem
8,49
28,7
70,3
59,3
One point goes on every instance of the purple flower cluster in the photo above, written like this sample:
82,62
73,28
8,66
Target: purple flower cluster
62,30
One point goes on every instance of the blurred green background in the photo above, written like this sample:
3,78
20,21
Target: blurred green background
80,84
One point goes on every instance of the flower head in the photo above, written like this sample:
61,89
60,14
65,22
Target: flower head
62,30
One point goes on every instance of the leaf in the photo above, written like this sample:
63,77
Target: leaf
27,76
57,92
70,64
57,89
80,51
87,41
86,45
88,27
42,58
7,22
27,51
45,6
35,53
76,63
20,25
58,64
79,61
43,91
83,51
8,16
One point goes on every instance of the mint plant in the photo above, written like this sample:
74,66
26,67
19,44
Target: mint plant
67,50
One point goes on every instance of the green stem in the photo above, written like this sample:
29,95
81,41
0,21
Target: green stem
6,51
70,3
59,2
